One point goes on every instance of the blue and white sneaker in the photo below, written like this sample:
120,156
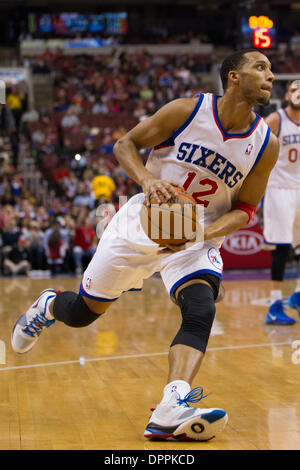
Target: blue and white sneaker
30,325
294,301
176,420
277,316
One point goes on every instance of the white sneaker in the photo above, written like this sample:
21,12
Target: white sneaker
176,420
30,325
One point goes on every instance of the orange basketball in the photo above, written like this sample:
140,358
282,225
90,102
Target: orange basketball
173,222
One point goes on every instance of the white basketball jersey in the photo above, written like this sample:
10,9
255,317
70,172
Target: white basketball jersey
209,162
286,173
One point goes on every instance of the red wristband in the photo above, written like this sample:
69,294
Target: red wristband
248,208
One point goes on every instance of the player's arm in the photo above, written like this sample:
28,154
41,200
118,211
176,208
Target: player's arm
250,194
148,133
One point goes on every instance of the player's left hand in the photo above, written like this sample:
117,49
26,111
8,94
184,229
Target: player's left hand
159,190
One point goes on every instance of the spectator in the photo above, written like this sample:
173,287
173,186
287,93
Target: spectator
16,185
55,244
26,209
7,214
7,120
76,106
68,151
35,244
118,133
83,197
10,234
103,185
121,186
14,102
24,225
100,108
61,173
24,149
107,145
78,165
42,217
70,120
4,186
146,93
16,260
71,186
84,241
31,115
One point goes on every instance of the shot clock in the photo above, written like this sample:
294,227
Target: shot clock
258,31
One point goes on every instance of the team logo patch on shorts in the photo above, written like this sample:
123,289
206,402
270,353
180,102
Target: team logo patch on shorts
215,258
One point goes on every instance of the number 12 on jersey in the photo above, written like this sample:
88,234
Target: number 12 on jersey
211,185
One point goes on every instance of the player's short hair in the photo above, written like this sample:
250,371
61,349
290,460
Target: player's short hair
233,62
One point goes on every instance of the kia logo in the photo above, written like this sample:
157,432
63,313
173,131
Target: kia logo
244,242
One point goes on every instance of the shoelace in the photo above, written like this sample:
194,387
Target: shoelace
35,326
193,396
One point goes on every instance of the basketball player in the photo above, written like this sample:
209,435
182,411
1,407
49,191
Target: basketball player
282,202
222,153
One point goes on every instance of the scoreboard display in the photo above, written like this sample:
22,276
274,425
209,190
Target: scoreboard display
258,31
66,24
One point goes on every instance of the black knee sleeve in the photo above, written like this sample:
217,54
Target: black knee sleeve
279,258
198,312
71,309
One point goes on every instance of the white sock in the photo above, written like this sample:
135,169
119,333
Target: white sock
179,386
275,295
297,289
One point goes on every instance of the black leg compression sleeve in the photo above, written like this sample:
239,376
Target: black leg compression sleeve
279,258
213,280
198,312
71,309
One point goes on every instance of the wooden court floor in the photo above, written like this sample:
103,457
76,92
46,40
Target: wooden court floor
93,388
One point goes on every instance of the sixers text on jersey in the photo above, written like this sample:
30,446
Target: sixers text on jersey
211,160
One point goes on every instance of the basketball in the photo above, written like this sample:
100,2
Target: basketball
173,222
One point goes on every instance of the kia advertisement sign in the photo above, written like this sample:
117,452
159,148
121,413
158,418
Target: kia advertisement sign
244,242
244,249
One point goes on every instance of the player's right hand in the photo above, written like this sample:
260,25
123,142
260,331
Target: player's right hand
159,190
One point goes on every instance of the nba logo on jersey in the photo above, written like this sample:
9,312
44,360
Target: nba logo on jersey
88,283
249,149
174,388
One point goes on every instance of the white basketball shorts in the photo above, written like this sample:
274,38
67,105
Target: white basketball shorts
282,216
125,256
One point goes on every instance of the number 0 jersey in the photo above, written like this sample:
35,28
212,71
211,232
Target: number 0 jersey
209,162
286,172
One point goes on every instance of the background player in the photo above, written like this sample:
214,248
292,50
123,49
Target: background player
282,202
217,148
